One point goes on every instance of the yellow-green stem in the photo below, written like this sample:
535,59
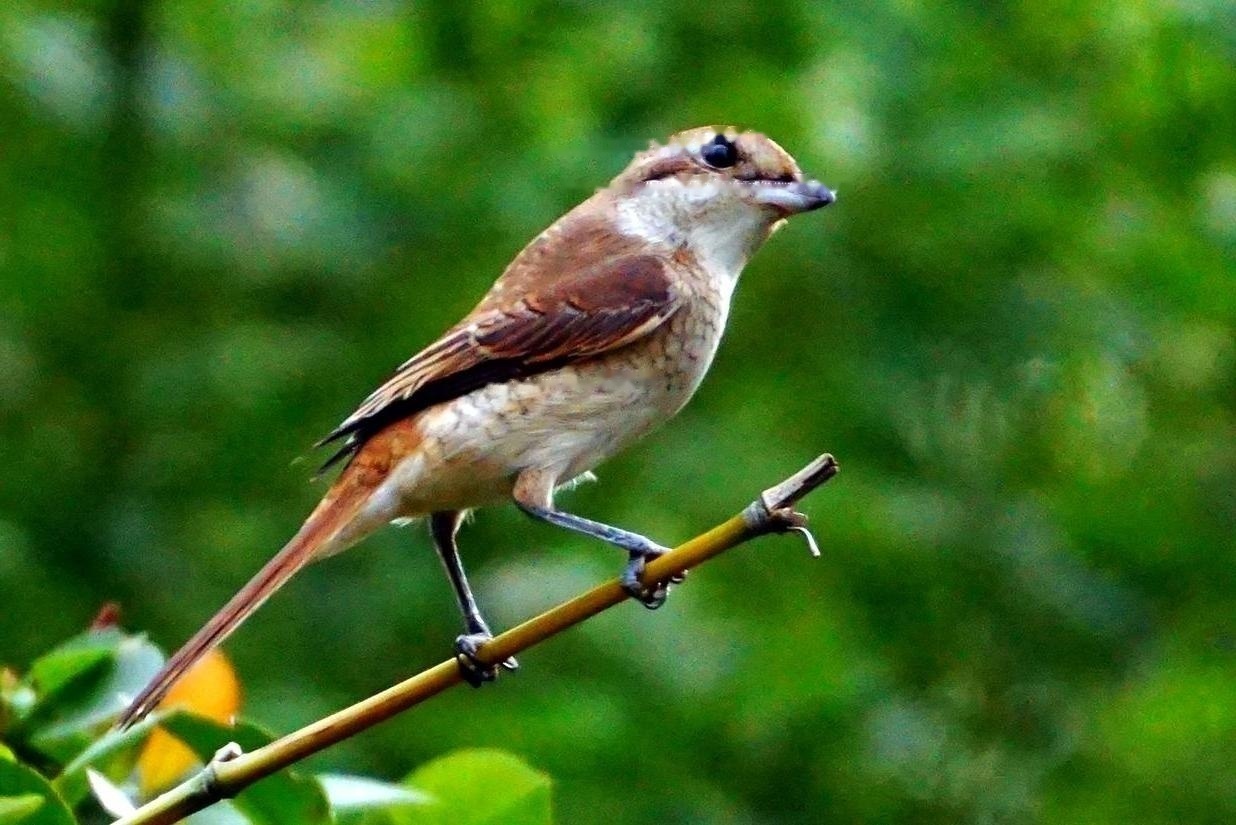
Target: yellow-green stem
226,776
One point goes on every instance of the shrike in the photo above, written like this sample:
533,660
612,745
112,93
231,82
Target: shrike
599,330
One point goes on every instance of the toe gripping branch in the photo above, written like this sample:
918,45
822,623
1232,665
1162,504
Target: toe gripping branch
773,511
229,772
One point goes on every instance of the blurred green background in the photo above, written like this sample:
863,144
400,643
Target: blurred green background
222,222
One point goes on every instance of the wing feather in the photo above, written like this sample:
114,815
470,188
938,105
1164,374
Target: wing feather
573,318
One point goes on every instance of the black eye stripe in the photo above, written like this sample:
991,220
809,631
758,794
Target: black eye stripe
719,153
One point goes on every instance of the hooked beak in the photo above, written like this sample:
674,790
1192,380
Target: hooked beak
790,198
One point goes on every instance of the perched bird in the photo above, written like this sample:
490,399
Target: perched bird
599,330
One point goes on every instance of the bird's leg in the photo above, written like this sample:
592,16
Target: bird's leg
639,549
443,527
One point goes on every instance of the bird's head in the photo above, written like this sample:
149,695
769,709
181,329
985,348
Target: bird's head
714,189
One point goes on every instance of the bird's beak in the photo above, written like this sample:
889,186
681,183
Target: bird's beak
794,197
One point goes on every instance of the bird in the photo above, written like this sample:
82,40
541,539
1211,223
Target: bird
598,331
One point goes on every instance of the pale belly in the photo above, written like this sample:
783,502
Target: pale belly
563,422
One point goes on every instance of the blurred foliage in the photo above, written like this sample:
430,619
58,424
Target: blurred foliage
211,689
223,221
59,754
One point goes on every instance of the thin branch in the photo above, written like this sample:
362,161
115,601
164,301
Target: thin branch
231,771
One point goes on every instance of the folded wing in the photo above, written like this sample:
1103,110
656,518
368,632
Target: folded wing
575,317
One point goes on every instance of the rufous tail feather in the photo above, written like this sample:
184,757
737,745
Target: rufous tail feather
324,523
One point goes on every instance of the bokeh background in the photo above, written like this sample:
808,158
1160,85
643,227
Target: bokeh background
222,222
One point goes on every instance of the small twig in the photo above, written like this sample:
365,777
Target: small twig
229,773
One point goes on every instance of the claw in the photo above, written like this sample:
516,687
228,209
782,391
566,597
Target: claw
474,671
653,596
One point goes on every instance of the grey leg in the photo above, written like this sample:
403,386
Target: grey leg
639,549
442,527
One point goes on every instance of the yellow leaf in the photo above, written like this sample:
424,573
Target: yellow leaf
210,689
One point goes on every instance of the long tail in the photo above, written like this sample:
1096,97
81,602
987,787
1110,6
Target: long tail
330,517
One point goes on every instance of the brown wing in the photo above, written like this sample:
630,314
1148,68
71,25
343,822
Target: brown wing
577,316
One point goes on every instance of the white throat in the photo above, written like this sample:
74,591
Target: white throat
717,226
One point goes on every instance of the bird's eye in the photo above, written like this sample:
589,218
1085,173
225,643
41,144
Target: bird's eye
720,152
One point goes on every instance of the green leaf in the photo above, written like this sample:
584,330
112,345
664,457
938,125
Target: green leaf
88,696
282,798
6,754
359,793
220,813
72,783
82,657
479,787
15,809
16,700
111,798
53,671
18,786
353,796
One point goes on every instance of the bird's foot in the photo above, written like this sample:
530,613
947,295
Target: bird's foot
654,595
474,671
